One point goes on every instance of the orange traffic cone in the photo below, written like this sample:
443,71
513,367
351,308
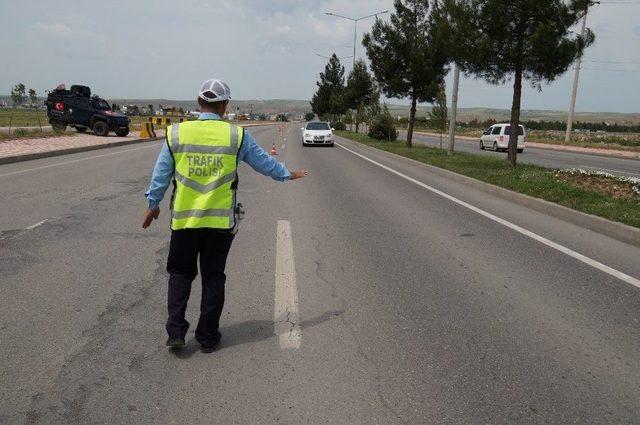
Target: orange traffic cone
273,150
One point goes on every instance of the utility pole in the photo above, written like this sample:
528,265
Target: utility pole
454,108
574,90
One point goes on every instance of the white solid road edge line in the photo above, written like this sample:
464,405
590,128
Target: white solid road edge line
591,262
285,316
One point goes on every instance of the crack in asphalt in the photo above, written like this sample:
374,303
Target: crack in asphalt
359,350
88,367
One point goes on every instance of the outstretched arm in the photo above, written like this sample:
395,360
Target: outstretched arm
263,163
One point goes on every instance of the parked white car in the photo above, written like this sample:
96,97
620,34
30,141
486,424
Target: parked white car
317,133
496,137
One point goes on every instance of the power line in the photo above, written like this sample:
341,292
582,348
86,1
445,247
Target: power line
620,62
612,70
620,2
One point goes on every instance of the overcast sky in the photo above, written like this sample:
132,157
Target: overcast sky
263,49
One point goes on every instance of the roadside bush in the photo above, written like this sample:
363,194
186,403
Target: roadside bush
340,126
383,126
21,132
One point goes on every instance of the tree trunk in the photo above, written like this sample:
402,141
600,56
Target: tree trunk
412,119
515,117
39,122
11,119
357,119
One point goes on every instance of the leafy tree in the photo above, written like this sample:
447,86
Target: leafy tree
328,99
439,113
406,57
181,110
135,110
309,116
360,90
33,98
150,110
18,94
17,98
524,39
383,126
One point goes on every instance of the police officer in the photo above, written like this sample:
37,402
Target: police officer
201,157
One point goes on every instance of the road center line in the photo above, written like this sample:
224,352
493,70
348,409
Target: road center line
76,160
285,316
589,261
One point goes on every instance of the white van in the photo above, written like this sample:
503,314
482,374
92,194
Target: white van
496,137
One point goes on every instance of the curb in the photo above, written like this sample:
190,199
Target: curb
619,231
634,156
48,154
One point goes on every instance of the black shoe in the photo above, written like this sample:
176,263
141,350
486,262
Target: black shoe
209,348
175,343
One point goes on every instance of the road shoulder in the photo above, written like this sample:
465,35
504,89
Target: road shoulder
618,231
553,147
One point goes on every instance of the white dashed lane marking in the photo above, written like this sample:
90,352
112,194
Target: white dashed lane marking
285,317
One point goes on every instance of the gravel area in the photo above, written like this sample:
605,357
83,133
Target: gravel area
18,147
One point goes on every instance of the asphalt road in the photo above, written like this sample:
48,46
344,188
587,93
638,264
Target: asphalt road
402,305
544,157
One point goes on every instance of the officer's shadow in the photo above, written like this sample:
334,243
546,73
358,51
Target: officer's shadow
249,332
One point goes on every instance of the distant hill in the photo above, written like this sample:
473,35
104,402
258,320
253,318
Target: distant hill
267,106
482,114
275,106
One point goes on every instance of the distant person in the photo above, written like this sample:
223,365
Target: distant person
201,157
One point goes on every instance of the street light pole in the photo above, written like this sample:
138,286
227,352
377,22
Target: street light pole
574,89
454,109
355,27
355,31
327,57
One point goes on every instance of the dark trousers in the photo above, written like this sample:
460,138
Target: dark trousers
213,247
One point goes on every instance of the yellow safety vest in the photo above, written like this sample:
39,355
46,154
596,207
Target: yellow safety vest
205,153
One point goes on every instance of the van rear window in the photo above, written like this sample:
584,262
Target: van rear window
507,130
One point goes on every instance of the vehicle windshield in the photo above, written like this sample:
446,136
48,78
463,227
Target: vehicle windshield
507,130
317,126
101,104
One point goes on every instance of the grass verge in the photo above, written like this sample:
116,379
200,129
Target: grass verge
23,133
528,179
629,142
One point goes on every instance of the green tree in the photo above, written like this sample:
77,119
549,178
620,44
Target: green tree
360,90
328,99
524,39
135,110
150,110
18,94
406,58
17,98
33,98
383,126
439,112
309,116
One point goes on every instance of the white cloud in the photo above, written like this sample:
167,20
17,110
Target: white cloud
265,49
59,29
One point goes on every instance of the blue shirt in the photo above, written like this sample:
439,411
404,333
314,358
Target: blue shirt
250,152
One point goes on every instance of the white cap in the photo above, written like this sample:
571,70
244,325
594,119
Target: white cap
214,91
